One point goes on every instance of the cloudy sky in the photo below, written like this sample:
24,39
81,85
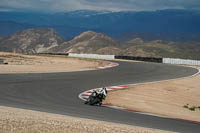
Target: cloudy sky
111,5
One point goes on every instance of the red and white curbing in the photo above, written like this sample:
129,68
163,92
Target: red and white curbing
111,64
84,95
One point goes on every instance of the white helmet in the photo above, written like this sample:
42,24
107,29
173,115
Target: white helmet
98,90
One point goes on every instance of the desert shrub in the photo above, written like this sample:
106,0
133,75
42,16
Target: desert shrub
192,108
186,106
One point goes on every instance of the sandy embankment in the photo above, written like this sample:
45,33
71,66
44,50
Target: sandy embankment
18,63
14,120
166,98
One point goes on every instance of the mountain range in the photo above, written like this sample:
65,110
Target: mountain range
44,40
169,25
30,41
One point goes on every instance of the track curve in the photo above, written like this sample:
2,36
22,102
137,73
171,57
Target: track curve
58,93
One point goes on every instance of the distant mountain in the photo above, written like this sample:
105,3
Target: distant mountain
170,36
87,42
170,25
30,41
97,43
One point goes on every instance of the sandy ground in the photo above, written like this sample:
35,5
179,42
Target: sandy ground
166,98
14,120
18,63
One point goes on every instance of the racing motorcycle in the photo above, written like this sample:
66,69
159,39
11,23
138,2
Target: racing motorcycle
95,99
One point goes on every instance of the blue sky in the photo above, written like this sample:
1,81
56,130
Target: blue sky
110,5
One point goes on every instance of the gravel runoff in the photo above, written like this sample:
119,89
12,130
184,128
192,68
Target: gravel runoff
14,120
19,63
169,96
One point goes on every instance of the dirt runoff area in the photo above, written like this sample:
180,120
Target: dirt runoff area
18,63
176,98
14,120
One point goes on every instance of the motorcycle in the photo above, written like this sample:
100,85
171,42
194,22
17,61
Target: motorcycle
95,99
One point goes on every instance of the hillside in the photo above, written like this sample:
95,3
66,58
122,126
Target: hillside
87,42
30,41
47,40
91,42
156,48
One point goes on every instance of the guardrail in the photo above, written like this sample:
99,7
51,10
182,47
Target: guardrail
66,54
181,61
147,59
93,56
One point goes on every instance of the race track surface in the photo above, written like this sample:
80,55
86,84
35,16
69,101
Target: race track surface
58,93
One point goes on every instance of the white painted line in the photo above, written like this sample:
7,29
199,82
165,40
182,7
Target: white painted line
116,87
114,107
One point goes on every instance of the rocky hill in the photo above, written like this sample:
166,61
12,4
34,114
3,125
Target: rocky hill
159,48
87,42
31,41
46,40
91,42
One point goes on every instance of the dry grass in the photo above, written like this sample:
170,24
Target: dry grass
18,63
14,120
165,98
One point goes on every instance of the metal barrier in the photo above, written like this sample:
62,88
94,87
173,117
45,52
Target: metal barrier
66,54
111,57
147,59
181,61
93,56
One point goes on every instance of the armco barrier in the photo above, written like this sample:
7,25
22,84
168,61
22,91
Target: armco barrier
66,54
181,61
93,56
147,59
111,57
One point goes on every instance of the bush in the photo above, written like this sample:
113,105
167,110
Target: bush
192,108
185,106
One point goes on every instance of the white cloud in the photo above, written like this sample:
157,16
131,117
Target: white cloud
113,5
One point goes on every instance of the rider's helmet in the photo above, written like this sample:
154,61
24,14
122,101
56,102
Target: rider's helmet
98,91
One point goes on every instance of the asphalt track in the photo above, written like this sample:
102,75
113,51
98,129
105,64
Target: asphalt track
58,93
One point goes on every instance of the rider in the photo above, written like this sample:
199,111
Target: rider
101,92
104,91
